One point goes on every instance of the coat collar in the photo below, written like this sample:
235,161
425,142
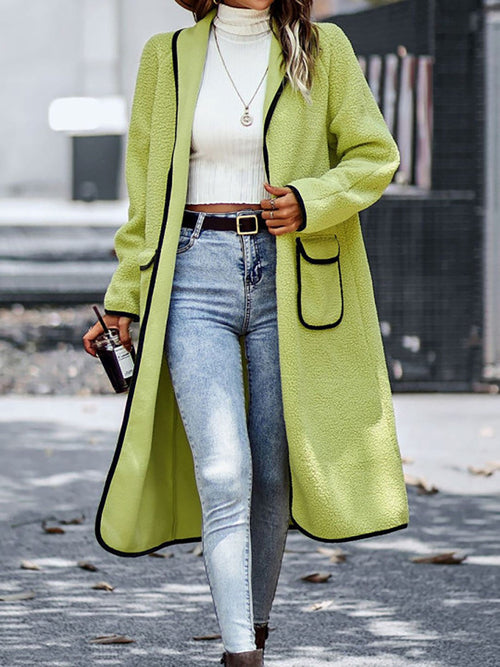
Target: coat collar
191,53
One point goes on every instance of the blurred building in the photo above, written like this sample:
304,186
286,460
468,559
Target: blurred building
325,8
58,49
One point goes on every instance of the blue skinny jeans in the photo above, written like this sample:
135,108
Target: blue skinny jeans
223,302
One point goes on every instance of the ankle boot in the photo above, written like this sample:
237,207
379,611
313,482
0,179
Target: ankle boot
245,659
261,634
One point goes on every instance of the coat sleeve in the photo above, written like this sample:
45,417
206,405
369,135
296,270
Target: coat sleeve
366,154
122,295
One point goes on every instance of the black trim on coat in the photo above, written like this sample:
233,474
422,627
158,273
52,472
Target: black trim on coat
300,252
351,538
267,122
143,267
140,344
122,313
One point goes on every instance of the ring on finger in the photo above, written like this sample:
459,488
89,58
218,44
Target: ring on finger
273,205
272,214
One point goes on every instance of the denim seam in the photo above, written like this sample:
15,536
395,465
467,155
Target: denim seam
284,537
248,559
257,266
246,286
249,564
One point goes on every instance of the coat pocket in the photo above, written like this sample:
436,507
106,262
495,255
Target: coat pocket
146,259
320,296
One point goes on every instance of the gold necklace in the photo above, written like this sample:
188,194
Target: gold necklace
246,119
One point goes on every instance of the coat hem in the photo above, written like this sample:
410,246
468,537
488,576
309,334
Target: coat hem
135,554
351,537
294,526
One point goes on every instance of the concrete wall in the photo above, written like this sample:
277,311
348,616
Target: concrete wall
58,48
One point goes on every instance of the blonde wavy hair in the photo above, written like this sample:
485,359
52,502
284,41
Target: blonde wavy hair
296,33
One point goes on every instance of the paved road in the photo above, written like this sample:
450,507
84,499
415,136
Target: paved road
378,608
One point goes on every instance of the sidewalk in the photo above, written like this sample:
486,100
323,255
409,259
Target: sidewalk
378,608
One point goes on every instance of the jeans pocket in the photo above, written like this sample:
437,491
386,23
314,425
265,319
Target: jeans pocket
186,239
320,296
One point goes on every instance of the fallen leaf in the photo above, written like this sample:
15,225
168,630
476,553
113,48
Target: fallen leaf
29,565
55,530
335,555
112,639
71,522
87,566
422,485
197,550
103,586
407,459
446,558
317,606
206,638
12,597
159,554
485,471
317,577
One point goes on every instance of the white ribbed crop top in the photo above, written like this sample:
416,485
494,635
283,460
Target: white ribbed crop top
226,163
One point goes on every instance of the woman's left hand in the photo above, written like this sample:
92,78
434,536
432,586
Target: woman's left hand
282,213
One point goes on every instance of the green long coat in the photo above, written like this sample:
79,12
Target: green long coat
338,156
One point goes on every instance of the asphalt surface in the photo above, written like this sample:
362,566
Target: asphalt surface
378,608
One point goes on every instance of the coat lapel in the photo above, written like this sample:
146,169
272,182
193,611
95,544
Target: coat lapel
275,77
192,50
191,54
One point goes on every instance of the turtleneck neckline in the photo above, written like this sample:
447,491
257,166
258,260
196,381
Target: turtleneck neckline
238,21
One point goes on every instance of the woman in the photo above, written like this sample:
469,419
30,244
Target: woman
260,395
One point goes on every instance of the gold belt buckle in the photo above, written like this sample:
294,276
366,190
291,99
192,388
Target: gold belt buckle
247,215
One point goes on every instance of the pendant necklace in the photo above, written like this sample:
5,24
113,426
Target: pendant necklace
246,118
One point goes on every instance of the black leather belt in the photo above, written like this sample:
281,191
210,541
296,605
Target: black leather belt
242,222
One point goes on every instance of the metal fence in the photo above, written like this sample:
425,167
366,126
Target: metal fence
424,238
402,85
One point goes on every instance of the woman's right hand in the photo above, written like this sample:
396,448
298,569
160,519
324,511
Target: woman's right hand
120,323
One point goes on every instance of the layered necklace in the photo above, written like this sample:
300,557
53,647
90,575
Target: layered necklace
246,118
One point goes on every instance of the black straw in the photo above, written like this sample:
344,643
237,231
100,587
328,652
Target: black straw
101,321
